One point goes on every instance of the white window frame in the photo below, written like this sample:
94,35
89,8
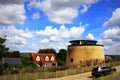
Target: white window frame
46,58
37,58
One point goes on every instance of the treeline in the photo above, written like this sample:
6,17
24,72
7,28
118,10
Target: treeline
6,53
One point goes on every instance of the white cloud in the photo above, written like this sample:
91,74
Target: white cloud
58,38
12,12
55,39
114,20
90,36
113,34
76,32
48,31
11,1
17,39
26,40
11,31
111,37
62,12
85,8
44,41
111,40
35,16
62,33
106,41
55,45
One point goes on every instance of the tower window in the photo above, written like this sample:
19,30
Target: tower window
71,59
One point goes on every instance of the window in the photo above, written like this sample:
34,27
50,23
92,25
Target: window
38,58
52,58
71,59
46,58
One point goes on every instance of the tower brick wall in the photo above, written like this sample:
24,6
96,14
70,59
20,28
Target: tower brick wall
81,53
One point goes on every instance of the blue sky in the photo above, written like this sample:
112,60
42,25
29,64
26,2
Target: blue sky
31,25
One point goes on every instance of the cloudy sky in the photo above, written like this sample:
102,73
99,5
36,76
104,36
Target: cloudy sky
31,25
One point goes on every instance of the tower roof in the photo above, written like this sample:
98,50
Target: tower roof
83,39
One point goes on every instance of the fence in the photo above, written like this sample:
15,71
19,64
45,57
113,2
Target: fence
48,74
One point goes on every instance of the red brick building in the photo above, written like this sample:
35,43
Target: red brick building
48,60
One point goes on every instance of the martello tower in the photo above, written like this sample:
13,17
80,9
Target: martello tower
84,50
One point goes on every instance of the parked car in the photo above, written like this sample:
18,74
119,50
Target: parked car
102,70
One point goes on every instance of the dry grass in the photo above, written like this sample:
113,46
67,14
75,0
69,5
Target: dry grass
108,77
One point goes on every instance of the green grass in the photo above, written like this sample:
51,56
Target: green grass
108,77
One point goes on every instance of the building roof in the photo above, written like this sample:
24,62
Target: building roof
44,57
83,39
12,61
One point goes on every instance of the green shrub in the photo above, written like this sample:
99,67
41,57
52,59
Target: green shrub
25,56
40,63
28,63
60,62
1,72
6,65
1,66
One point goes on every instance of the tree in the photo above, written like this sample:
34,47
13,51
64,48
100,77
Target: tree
4,52
61,56
15,54
47,51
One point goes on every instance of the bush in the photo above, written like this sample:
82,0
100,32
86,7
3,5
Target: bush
1,66
40,63
60,62
6,65
25,56
27,63
1,72
108,59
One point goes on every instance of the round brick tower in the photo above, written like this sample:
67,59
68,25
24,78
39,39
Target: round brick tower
84,52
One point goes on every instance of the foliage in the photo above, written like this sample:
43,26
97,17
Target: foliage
40,63
27,63
1,66
4,52
6,65
47,51
26,60
25,56
61,56
108,59
60,62
113,57
15,54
